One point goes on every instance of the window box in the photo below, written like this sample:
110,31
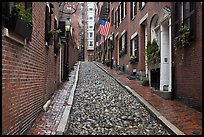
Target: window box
133,59
20,27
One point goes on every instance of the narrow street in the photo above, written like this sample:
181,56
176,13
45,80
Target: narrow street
103,107
101,68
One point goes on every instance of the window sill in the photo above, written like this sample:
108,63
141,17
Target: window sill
14,37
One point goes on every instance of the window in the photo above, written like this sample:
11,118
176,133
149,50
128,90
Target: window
122,10
185,15
134,51
91,43
119,15
90,27
90,18
47,23
189,17
123,43
56,37
90,9
112,17
116,18
133,10
91,34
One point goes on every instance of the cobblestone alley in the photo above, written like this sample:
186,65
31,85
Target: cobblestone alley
103,107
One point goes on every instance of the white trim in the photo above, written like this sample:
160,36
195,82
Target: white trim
13,36
48,6
56,20
116,34
123,32
133,35
143,18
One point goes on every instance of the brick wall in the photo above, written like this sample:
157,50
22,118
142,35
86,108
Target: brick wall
30,74
187,76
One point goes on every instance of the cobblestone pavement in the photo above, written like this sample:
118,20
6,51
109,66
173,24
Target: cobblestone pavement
47,122
185,118
103,107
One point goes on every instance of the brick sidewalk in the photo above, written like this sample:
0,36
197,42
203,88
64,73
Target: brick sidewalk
186,119
47,122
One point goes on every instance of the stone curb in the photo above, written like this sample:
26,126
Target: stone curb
170,127
61,129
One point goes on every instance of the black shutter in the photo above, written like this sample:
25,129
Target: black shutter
190,17
135,8
126,42
125,8
122,10
46,23
62,28
28,5
5,14
119,15
112,17
177,18
116,18
55,38
140,5
120,43
131,47
137,46
131,10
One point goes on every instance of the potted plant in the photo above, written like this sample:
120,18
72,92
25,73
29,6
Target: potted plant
20,20
153,54
133,59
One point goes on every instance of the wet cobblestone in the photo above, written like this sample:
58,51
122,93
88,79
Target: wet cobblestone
103,107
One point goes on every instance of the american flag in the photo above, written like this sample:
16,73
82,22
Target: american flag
104,27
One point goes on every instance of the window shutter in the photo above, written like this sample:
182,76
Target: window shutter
177,18
126,42
125,8
120,43
5,13
135,8
116,21
55,38
137,47
47,24
131,47
119,15
122,10
112,17
62,28
131,10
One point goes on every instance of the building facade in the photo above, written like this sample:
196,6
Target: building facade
138,26
34,64
89,29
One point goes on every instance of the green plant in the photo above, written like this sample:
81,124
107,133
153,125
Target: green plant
133,59
23,14
122,52
153,54
59,45
183,39
53,32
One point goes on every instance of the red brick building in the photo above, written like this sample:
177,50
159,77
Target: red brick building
33,66
134,25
